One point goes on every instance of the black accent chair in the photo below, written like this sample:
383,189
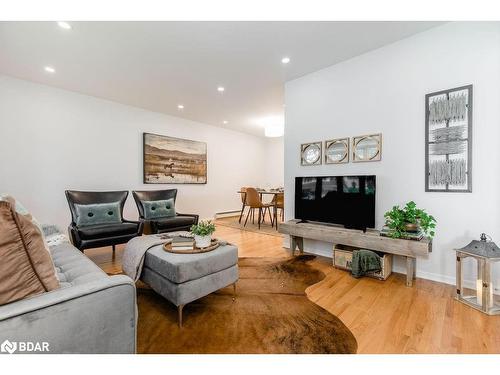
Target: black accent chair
100,235
179,222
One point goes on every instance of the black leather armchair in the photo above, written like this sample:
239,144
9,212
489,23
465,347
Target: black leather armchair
99,235
162,225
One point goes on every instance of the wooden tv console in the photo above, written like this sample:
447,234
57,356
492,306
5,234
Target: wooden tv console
370,240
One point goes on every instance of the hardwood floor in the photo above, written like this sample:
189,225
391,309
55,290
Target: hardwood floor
384,316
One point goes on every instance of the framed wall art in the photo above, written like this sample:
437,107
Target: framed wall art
448,140
169,160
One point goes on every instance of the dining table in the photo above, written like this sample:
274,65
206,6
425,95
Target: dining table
267,192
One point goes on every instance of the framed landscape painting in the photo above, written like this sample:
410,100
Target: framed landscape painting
170,160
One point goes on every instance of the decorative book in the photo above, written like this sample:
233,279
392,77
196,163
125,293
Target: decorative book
182,243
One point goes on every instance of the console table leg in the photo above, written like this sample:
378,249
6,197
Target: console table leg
300,244
296,242
293,245
411,264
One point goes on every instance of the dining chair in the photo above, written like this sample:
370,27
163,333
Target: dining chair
243,195
254,202
278,203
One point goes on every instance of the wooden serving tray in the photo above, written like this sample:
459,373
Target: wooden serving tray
214,245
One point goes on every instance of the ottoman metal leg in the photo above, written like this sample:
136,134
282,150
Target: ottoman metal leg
179,314
234,291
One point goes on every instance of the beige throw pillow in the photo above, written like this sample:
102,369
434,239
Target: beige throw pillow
21,210
26,268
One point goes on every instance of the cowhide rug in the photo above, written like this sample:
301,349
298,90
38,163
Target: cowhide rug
271,314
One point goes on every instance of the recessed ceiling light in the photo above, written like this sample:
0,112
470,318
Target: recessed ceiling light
180,106
49,69
220,89
64,25
285,60
224,122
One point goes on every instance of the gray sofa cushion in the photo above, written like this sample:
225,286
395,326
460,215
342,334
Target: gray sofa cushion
159,209
73,268
100,213
179,268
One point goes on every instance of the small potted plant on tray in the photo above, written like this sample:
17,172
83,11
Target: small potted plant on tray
203,233
409,222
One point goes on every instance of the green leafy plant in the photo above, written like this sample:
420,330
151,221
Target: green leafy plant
398,218
203,228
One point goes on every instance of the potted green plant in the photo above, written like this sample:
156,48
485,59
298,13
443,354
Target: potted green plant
203,233
401,221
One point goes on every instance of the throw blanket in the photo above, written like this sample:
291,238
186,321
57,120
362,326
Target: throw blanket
53,235
133,255
136,249
364,261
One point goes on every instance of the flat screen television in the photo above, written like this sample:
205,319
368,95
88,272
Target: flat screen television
342,200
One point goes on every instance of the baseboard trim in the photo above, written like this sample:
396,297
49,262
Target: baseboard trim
219,215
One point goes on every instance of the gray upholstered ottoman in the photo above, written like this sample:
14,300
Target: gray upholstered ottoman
183,278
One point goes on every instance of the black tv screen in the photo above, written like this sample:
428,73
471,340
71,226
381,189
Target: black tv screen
342,200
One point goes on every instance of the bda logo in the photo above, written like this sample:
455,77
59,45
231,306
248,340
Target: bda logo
8,347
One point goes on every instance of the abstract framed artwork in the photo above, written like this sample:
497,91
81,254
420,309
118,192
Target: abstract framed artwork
169,160
448,140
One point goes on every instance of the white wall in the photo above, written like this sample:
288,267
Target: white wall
52,140
274,163
383,91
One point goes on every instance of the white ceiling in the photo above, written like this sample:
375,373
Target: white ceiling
158,65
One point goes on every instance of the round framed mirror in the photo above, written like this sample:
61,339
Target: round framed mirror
337,151
311,153
367,148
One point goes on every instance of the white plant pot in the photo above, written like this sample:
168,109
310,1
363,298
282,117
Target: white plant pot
202,241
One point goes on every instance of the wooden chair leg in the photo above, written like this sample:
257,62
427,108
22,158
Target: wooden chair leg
271,216
248,214
241,214
260,214
179,315
253,215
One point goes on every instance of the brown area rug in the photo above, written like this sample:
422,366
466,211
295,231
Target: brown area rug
271,314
